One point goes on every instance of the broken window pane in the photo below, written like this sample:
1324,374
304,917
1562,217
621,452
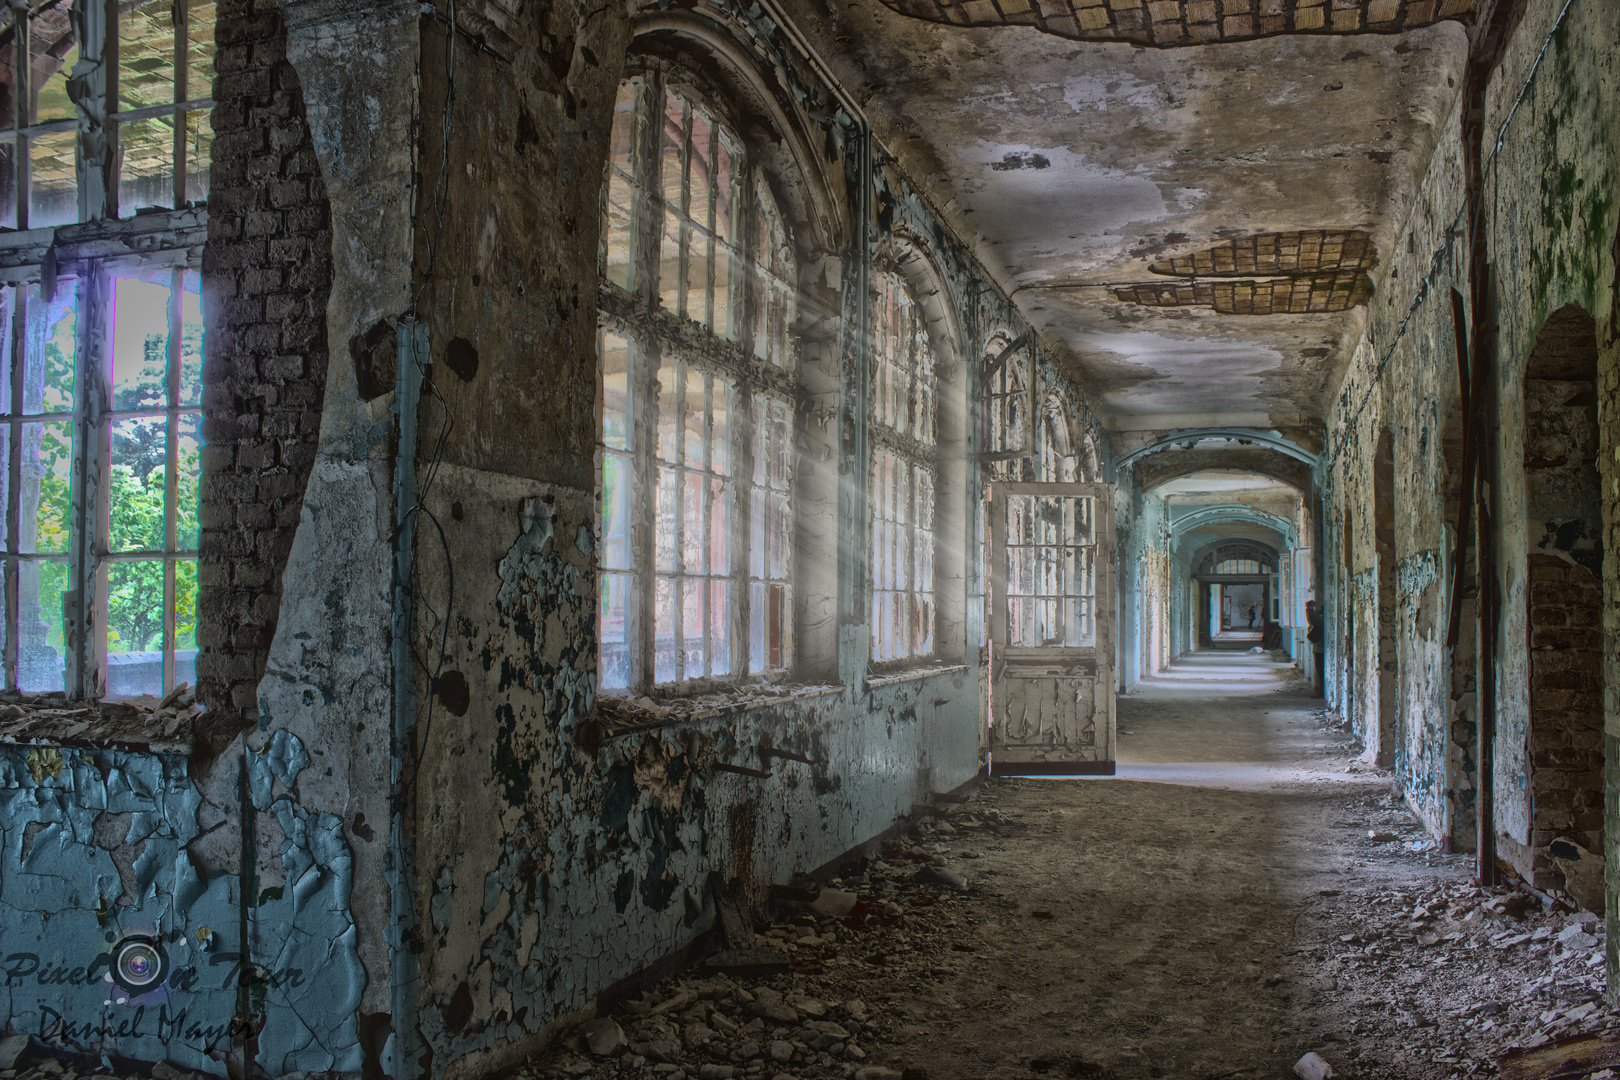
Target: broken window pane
187,480
139,340
54,50
49,373
53,190
615,531
201,18
199,152
146,177
664,622
146,54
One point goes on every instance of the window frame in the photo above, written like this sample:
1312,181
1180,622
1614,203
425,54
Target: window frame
904,537
86,252
762,378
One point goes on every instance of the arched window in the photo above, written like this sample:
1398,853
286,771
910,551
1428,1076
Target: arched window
1007,410
1058,463
904,467
698,379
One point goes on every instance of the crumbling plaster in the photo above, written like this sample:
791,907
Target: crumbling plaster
1548,220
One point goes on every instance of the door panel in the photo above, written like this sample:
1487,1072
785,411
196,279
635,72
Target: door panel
1051,629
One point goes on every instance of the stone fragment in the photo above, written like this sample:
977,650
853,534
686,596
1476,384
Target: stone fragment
939,875
769,1006
1313,1067
12,1048
834,903
604,1036
697,1034
1377,836
666,1050
750,1051
808,1006
716,1072
877,1072
781,1050
1582,870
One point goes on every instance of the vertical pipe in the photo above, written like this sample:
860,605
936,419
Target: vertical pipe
404,974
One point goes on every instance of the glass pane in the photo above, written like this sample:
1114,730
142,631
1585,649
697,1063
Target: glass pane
54,51
692,623
191,338
188,480
617,232
616,424
664,535
147,176
8,305
694,413
199,152
139,340
146,54
40,626
616,512
8,179
47,456
185,622
669,411
613,666
692,513
200,20
719,628
719,528
53,190
720,426
5,490
664,629
135,628
757,654
139,450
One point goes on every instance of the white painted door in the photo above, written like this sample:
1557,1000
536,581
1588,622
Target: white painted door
1051,629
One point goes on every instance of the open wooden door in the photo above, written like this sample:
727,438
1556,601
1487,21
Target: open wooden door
1051,629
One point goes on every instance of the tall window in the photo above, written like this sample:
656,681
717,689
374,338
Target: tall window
101,354
698,380
1007,411
902,432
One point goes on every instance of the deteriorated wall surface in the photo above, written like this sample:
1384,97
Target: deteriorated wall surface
267,272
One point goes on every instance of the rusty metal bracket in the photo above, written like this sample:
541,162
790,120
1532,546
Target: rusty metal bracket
743,770
767,751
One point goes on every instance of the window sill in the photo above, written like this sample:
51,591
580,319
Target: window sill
913,675
623,716
48,720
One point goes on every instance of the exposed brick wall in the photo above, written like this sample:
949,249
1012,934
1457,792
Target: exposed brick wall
1566,708
267,272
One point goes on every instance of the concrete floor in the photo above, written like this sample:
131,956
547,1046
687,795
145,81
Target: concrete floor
1216,910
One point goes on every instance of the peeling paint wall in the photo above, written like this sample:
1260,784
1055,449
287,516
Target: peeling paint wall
1549,222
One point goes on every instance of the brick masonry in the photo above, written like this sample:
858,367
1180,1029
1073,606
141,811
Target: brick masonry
267,273
1566,707
1188,22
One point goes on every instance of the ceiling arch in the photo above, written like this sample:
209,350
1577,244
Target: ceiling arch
1192,438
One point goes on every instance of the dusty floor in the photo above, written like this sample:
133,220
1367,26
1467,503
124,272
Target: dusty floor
1215,911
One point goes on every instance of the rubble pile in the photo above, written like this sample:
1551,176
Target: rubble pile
903,917
143,722
1448,978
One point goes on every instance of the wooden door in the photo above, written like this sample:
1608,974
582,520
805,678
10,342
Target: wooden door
1051,629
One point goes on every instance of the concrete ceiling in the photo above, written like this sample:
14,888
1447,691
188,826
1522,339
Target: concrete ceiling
1074,167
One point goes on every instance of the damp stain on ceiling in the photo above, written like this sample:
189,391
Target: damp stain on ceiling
1091,177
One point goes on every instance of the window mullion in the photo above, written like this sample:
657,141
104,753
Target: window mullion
171,467
86,618
13,509
22,52
182,33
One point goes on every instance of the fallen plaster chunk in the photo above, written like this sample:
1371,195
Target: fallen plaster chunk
605,1037
1312,1067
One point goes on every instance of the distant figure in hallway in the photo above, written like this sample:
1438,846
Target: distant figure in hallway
1313,634
1252,612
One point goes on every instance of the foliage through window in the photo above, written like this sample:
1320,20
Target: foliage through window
904,468
698,378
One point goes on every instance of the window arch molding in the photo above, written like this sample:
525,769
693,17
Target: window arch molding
806,186
912,259
1008,432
